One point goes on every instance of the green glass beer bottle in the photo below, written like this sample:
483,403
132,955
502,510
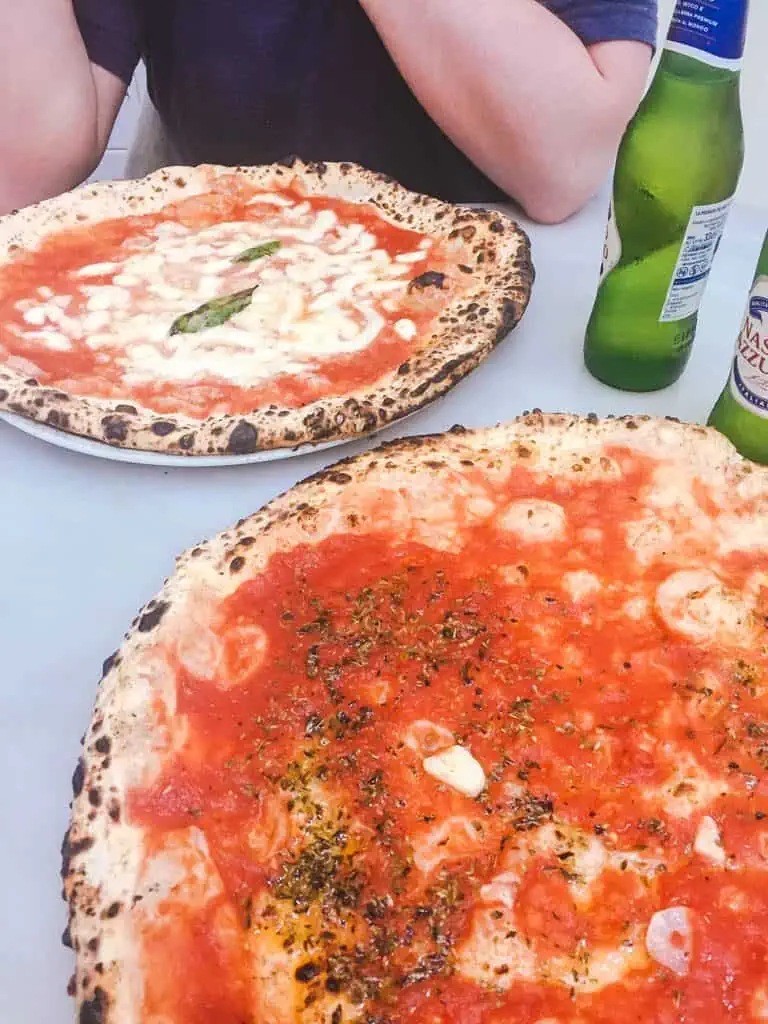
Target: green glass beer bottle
741,411
676,173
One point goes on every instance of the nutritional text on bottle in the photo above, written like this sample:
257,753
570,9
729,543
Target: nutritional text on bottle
702,237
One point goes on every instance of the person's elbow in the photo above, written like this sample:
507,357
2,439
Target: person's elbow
562,168
561,180
554,205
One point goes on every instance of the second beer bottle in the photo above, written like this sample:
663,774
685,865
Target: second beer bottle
676,173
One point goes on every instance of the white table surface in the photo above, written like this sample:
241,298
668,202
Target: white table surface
84,542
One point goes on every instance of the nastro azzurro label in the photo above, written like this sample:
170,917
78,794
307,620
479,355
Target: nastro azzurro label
749,379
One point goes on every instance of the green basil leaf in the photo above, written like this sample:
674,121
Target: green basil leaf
257,251
213,313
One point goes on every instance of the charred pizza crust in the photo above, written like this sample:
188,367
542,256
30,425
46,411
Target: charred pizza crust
101,851
468,328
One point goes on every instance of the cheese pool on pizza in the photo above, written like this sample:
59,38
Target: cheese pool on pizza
471,729
225,310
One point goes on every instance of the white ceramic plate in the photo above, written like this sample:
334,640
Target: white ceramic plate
87,446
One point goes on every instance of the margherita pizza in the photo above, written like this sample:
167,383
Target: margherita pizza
227,310
471,729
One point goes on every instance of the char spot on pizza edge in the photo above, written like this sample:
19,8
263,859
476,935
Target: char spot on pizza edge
56,418
150,618
509,317
109,663
114,428
244,439
103,745
71,849
78,777
94,1010
445,371
429,279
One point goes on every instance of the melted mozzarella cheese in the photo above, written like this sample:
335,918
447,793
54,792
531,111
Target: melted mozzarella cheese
180,869
604,966
635,608
318,297
534,520
494,952
689,788
759,1006
427,738
498,952
649,538
694,602
581,584
708,842
453,838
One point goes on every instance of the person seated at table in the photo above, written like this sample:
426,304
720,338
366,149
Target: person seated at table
470,100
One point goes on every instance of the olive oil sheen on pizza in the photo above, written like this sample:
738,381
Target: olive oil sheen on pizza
676,173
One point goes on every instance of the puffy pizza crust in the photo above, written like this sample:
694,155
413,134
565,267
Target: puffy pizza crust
468,328
134,723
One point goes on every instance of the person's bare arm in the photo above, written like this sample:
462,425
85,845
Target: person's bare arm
56,109
518,92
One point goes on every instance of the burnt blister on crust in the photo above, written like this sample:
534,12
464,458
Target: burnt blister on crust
429,279
57,418
103,745
114,428
109,663
163,428
244,439
94,1010
72,848
78,778
152,616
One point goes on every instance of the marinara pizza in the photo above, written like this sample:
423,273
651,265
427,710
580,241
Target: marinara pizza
226,310
471,729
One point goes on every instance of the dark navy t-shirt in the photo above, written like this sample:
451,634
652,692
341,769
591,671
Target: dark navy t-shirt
252,81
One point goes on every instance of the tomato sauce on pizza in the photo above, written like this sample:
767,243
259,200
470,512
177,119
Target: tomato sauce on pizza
332,296
509,770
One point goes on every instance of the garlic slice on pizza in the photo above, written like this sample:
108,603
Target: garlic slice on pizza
228,310
443,735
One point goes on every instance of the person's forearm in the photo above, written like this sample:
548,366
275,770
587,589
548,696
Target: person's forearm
48,133
517,91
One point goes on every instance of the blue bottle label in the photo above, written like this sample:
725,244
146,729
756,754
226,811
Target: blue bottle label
716,29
